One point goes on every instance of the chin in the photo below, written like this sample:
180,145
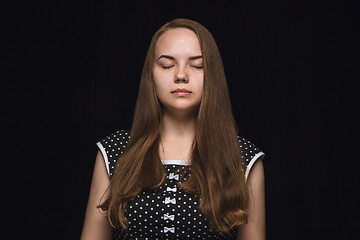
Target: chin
181,109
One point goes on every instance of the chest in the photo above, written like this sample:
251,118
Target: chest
168,213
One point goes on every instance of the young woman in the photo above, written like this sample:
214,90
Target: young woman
182,172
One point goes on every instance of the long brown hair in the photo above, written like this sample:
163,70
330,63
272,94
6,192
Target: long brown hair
217,176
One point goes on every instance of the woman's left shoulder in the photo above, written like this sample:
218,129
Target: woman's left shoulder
250,154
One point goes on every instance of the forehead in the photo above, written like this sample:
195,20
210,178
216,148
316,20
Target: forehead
178,42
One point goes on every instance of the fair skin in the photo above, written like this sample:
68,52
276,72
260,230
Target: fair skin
255,228
178,76
96,225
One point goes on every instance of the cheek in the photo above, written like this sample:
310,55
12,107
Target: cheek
160,90
161,85
201,91
200,84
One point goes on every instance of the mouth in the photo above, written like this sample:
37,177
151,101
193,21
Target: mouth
181,92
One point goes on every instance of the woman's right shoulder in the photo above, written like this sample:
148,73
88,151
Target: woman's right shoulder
112,147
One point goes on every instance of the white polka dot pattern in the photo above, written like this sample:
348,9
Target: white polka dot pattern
167,212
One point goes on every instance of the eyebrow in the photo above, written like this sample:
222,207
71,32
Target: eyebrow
172,58
195,57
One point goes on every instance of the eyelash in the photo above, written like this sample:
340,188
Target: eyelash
198,67
165,67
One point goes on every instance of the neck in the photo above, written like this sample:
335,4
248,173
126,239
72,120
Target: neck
177,126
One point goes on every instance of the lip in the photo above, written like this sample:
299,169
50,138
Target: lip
181,92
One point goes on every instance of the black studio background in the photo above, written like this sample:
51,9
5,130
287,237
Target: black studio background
72,73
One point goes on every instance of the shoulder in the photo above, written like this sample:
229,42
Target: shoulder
112,146
250,154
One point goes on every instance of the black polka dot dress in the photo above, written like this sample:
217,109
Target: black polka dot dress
167,212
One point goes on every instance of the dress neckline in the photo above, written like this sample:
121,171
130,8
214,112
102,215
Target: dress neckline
176,162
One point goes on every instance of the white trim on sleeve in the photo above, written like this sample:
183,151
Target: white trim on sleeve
251,163
103,151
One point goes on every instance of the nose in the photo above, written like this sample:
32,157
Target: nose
181,75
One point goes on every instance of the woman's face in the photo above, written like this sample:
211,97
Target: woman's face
178,70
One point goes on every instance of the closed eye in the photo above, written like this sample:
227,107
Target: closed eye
197,67
167,67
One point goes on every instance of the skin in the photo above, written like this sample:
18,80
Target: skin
255,228
178,65
96,225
